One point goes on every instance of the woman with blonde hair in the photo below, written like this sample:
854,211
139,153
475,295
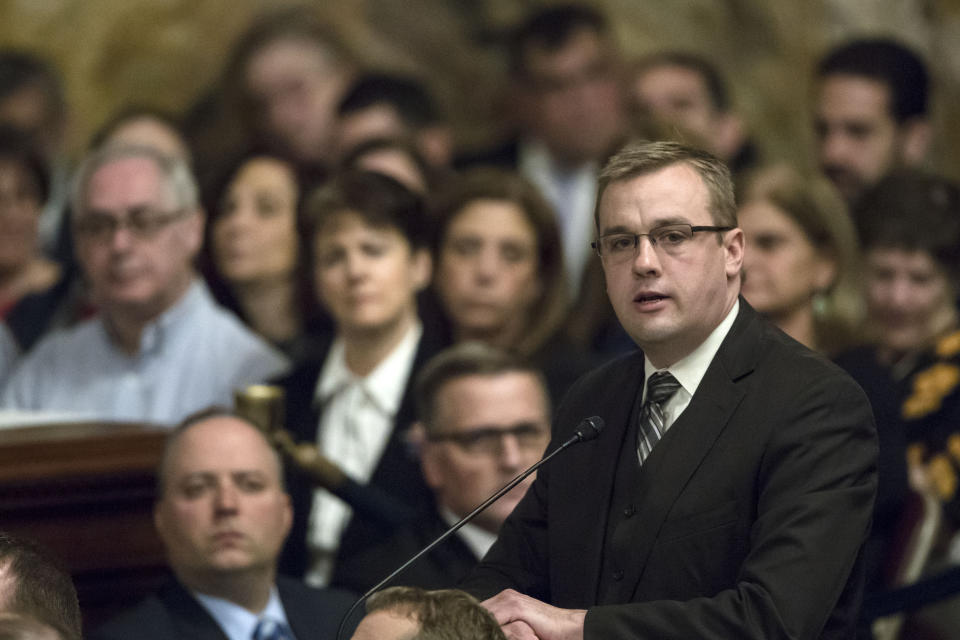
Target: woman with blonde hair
801,267
499,271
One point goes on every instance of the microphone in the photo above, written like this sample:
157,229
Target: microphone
588,429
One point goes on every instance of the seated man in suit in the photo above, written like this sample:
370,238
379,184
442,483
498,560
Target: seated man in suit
35,591
160,348
732,487
367,243
484,418
408,613
222,514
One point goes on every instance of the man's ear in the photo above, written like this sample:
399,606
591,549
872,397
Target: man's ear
914,141
733,244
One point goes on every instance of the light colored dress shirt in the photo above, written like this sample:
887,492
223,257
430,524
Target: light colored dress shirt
192,356
689,371
355,425
477,540
9,352
238,623
573,195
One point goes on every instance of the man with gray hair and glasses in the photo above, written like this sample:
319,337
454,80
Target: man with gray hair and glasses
159,348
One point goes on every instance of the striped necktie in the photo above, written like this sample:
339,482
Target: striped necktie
660,387
270,629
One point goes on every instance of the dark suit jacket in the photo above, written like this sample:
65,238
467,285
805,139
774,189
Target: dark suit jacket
174,614
397,474
745,521
442,568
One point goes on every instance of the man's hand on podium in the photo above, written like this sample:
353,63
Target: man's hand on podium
524,618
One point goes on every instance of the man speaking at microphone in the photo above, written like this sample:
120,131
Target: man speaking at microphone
732,488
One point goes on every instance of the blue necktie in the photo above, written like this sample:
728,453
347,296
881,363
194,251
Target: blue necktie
660,388
270,629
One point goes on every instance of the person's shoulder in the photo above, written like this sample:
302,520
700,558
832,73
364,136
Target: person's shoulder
235,342
148,619
63,349
789,373
288,586
603,384
622,366
312,606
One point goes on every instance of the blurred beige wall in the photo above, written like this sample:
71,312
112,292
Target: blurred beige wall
163,53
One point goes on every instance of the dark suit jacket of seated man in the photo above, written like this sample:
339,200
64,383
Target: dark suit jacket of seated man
746,519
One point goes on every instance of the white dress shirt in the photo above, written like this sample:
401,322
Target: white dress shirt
356,422
573,194
689,371
477,540
236,622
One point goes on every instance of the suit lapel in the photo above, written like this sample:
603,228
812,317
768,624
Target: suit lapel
678,455
189,615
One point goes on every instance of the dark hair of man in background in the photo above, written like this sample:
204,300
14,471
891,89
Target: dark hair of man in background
551,29
404,94
34,584
890,63
19,71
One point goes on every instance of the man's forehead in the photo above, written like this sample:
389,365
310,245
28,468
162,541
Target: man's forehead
583,45
494,398
674,193
855,93
201,447
135,179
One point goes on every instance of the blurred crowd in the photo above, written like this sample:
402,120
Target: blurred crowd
312,224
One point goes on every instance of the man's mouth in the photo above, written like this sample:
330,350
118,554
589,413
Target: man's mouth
644,298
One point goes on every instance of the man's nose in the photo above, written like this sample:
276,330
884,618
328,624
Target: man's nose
226,499
834,148
511,453
121,237
647,261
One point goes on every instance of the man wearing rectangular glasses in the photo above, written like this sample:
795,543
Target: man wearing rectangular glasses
732,488
159,348
484,416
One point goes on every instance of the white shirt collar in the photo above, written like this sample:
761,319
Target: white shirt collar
384,385
477,540
238,623
689,371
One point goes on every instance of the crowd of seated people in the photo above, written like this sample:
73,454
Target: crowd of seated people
314,226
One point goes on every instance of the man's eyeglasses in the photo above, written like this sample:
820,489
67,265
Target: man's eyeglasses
142,223
672,239
489,440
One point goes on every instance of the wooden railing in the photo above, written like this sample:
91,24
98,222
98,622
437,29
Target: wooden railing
86,491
